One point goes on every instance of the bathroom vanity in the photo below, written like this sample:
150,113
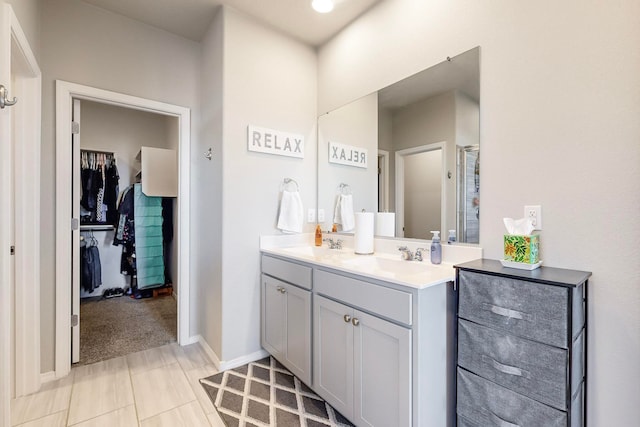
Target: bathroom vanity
372,335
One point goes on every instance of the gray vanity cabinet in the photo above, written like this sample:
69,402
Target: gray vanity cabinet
521,356
362,363
286,315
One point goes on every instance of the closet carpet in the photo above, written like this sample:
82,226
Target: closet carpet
118,326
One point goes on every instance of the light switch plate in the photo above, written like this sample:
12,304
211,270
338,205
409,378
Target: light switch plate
320,215
311,215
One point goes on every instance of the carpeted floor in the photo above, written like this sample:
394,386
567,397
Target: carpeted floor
122,325
264,393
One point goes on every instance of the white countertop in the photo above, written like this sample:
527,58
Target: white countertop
385,264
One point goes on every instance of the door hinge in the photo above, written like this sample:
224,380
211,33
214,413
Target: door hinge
75,128
12,250
75,224
74,320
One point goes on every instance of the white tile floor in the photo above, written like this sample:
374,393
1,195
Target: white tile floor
156,387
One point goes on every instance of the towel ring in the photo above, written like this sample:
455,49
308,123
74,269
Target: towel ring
288,181
344,189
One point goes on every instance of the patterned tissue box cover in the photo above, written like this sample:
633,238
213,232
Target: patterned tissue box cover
521,248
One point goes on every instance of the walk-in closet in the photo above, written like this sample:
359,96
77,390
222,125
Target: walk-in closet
125,188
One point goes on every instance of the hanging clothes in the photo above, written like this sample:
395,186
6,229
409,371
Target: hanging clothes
90,266
140,233
99,185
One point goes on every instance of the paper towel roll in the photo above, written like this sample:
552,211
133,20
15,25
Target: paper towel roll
363,235
385,224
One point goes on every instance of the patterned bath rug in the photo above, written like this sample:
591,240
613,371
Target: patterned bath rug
263,394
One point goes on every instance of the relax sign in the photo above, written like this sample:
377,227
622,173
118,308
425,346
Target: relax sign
271,141
347,155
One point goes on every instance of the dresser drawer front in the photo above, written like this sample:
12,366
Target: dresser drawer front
535,370
526,309
291,272
489,404
385,302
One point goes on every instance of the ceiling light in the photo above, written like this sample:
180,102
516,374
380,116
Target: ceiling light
322,6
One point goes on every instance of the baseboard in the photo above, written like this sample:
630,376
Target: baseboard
230,364
46,377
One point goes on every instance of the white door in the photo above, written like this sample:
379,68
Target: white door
75,235
19,216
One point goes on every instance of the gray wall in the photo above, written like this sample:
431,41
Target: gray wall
83,44
554,131
268,80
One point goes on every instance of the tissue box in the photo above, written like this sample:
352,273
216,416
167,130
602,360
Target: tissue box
521,248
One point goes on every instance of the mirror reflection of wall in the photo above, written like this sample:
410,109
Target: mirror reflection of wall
428,150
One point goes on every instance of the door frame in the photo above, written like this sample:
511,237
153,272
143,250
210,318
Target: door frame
400,155
65,93
19,144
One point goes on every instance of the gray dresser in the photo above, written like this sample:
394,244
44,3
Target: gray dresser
522,346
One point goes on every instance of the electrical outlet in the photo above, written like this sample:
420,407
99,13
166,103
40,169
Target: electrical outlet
311,215
534,212
320,215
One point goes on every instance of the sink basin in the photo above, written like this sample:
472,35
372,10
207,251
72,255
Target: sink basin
313,251
389,265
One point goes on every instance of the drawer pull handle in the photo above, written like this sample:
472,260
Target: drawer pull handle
506,312
506,369
347,318
355,321
497,420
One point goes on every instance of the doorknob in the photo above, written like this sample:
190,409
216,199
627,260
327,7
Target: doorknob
3,98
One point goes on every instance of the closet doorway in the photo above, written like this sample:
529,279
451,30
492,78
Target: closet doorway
85,112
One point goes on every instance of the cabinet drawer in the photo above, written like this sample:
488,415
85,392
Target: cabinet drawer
523,308
528,367
386,302
489,404
291,272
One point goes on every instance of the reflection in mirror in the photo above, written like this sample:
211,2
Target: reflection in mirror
424,131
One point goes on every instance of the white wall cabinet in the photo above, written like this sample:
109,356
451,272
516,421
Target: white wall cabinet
158,171
362,364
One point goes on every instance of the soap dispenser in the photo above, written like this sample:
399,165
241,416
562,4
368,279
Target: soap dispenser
318,235
436,248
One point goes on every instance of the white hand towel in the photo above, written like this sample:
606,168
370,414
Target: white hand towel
344,212
291,213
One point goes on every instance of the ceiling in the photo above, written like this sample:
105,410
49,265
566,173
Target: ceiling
191,18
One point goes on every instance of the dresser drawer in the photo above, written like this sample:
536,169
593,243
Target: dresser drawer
527,367
489,404
386,302
520,307
291,272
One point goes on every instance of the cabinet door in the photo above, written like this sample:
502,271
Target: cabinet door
333,354
382,352
297,324
273,316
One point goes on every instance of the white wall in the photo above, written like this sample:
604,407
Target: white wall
122,131
269,81
28,14
560,99
355,124
88,45
207,191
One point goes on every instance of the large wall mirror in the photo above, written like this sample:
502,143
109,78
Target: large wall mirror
411,149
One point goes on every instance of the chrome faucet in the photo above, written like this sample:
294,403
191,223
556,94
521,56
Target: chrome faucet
418,256
333,244
406,255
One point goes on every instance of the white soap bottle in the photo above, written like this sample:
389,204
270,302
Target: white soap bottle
436,248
